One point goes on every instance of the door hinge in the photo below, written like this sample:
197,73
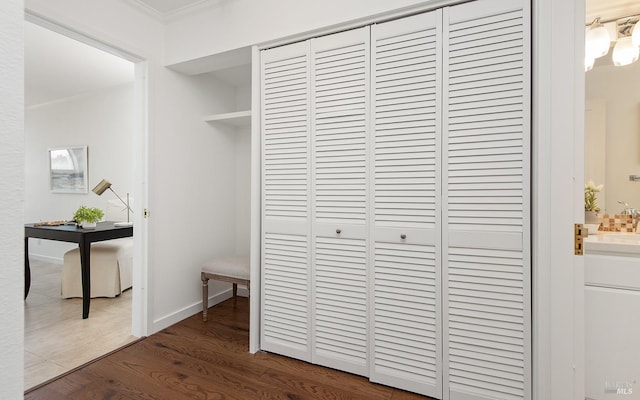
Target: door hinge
145,213
578,239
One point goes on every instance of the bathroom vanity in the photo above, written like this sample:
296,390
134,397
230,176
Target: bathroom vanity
612,316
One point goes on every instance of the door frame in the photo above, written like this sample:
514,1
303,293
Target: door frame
557,198
141,322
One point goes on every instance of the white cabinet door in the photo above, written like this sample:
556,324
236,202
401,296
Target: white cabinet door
486,211
285,91
340,101
405,305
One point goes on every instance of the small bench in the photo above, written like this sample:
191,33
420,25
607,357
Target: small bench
233,269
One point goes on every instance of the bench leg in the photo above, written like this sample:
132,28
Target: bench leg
235,293
205,297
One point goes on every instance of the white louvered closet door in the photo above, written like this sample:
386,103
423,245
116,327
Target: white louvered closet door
486,210
405,305
340,95
286,172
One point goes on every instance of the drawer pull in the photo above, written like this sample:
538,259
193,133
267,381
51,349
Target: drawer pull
403,236
338,231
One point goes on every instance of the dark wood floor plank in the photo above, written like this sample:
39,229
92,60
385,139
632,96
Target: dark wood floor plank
403,395
328,389
184,384
198,360
189,375
317,375
313,384
203,360
85,385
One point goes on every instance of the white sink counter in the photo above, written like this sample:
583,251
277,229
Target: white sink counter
615,243
612,260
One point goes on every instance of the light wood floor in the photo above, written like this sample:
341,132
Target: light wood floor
57,339
197,360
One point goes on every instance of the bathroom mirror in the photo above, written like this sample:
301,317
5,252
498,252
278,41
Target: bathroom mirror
612,133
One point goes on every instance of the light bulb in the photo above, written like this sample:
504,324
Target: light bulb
588,62
624,52
597,40
635,34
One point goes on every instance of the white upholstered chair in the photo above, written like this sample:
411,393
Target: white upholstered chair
111,263
233,269
111,269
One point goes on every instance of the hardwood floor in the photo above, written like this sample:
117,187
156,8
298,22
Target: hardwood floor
57,339
197,360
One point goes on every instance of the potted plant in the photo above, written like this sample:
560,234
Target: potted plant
591,207
87,217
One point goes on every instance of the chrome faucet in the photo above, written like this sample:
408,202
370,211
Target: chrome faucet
627,210
630,211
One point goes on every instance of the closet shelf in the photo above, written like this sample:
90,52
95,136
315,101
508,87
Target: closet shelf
238,118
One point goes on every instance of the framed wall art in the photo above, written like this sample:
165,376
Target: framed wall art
68,169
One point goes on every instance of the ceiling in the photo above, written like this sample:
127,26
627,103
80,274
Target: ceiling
169,6
167,10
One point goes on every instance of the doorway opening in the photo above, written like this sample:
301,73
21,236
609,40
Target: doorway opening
612,177
80,92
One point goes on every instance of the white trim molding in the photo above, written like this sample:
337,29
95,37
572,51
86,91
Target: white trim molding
558,95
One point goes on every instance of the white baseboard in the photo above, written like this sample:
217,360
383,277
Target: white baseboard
186,312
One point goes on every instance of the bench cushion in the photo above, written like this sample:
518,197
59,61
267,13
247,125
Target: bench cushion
231,266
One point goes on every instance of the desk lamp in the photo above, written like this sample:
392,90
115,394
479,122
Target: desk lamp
102,187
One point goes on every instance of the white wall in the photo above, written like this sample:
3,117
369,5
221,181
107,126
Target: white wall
11,200
243,173
618,88
102,120
243,190
241,23
194,202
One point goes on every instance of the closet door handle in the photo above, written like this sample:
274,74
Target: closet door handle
403,236
338,231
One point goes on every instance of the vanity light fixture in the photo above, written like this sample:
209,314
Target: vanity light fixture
626,49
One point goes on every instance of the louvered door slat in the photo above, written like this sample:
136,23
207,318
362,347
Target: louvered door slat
340,303
486,256
404,127
286,207
403,328
285,134
340,125
405,154
285,304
